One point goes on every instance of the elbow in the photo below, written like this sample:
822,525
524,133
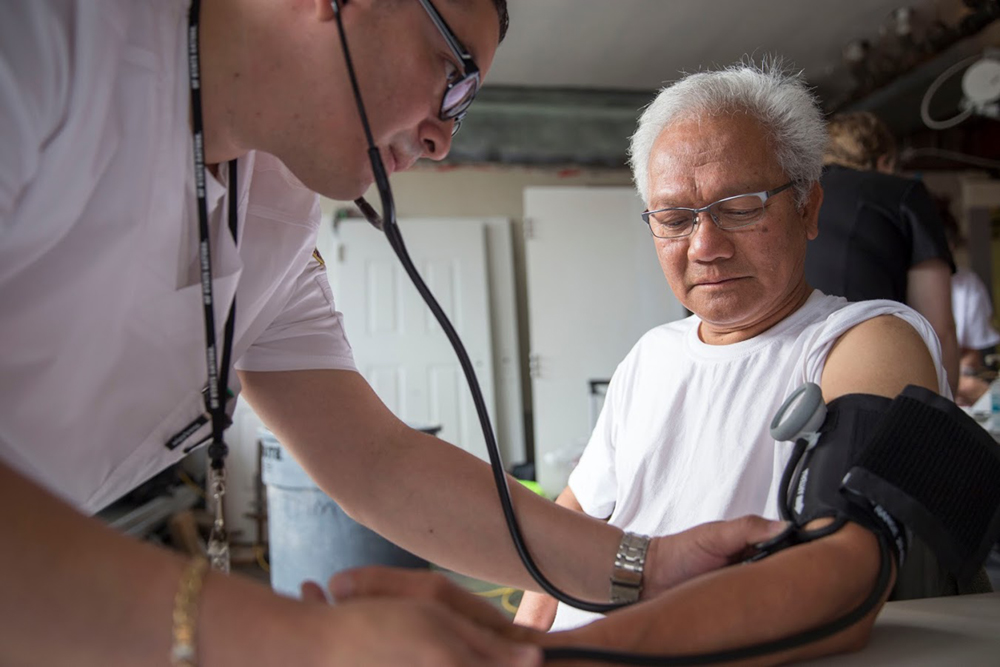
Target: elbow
856,637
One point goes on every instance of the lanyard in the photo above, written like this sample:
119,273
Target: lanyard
217,389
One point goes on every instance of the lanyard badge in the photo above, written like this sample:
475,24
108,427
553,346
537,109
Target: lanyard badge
218,373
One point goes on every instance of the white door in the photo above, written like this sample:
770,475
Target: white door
398,345
594,288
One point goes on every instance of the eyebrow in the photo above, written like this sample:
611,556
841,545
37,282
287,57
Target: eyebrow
733,192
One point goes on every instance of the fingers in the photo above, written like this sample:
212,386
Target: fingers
696,551
376,581
730,539
490,648
757,529
312,592
371,631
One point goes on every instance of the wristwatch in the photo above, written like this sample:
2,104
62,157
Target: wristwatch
626,579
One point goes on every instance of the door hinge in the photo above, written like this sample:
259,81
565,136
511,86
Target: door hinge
534,366
529,229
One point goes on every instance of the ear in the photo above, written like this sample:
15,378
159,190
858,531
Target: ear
810,211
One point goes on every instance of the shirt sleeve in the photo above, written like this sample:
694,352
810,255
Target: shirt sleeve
928,239
308,334
594,481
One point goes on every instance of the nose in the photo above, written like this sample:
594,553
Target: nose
707,242
435,138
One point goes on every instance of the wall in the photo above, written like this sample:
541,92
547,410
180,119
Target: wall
489,191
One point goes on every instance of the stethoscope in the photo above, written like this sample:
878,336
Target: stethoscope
387,224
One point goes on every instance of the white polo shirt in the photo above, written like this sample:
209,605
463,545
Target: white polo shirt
100,310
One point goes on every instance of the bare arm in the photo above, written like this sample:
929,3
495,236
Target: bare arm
538,610
420,492
794,590
928,291
797,589
440,502
75,592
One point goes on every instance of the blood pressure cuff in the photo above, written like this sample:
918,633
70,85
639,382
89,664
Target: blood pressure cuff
916,461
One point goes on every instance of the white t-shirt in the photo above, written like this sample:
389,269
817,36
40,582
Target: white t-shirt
973,311
101,325
683,436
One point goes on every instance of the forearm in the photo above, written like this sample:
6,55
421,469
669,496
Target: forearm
76,592
538,610
458,521
928,291
422,493
795,590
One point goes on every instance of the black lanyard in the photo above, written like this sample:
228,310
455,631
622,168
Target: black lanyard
218,380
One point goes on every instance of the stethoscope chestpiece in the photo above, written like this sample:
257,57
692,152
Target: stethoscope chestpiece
800,416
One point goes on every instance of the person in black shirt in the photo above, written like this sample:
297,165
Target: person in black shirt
880,235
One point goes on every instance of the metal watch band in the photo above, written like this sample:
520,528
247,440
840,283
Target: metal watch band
626,579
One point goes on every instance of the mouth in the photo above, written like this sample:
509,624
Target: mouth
390,161
717,282
399,160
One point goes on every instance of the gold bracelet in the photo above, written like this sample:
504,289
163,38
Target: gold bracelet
183,652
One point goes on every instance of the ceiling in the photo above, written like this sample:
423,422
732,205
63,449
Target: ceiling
641,44
571,76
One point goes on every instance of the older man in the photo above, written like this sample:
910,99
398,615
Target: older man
728,163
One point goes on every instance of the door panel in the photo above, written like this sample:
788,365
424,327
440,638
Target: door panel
594,288
398,345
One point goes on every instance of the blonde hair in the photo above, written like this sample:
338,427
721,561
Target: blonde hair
857,140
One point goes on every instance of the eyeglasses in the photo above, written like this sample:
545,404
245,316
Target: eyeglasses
463,87
729,213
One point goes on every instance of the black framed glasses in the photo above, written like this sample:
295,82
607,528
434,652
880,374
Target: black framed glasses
464,85
729,213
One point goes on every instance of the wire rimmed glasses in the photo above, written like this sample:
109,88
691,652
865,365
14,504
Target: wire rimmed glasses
728,213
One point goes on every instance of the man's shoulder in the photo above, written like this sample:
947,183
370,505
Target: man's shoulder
877,317
882,332
881,355
838,315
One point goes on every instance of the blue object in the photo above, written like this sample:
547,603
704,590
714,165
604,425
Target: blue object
310,537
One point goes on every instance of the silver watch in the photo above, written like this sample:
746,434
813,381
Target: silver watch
626,579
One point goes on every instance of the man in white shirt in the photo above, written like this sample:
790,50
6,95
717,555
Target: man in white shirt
970,301
728,163
104,338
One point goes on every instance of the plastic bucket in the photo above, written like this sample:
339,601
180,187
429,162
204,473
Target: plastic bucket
310,537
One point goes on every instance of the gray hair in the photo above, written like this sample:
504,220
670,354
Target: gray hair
778,99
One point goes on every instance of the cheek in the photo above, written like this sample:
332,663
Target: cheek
672,257
404,97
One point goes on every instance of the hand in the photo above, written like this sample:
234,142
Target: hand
388,582
970,388
395,616
418,632
674,559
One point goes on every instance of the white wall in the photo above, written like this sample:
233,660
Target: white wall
488,191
